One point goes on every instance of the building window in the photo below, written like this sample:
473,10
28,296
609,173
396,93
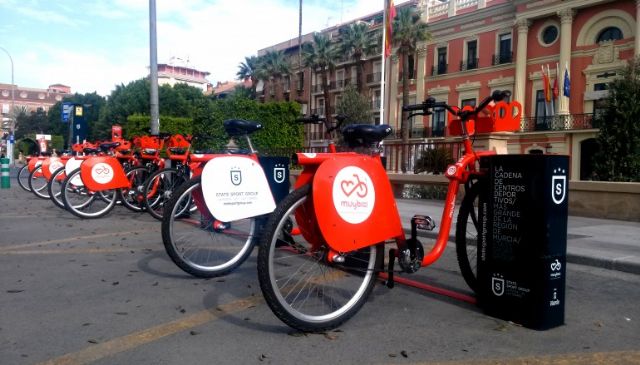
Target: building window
300,85
609,34
550,34
438,121
505,54
541,111
600,105
470,102
442,61
472,55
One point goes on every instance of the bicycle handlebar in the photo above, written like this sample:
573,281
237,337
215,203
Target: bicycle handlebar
311,119
431,103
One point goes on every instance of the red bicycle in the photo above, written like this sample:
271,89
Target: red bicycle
322,248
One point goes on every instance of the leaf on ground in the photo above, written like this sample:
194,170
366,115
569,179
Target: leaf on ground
393,355
297,334
92,341
404,353
330,336
122,313
155,284
14,291
501,328
262,357
115,283
86,324
193,333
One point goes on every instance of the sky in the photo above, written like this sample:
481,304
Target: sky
97,44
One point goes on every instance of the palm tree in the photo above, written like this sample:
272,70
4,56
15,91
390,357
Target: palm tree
357,42
250,69
276,65
408,30
321,56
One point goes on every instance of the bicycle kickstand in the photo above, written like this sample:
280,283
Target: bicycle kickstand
392,260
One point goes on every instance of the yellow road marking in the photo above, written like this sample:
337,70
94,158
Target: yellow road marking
124,343
79,251
71,239
594,358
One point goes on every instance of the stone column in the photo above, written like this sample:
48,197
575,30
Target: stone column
422,64
452,8
637,44
566,20
521,63
482,4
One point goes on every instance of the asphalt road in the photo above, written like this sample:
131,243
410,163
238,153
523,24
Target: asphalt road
104,292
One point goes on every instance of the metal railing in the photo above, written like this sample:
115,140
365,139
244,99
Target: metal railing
559,123
499,59
441,69
470,64
374,77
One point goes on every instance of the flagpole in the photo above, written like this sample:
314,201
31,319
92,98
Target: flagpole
553,110
544,91
383,77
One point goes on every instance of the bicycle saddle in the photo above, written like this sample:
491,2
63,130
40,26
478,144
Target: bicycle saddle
90,150
365,135
238,127
109,145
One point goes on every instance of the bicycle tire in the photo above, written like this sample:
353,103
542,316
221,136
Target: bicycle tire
54,188
168,181
23,177
132,198
323,304
467,228
38,183
195,245
79,206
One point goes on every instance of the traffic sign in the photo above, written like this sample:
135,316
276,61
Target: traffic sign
67,109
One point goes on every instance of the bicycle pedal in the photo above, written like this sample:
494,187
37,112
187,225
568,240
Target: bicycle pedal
423,222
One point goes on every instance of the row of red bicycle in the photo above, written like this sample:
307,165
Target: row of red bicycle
321,245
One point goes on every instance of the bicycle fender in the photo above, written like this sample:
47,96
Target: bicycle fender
50,165
235,187
103,173
70,166
354,203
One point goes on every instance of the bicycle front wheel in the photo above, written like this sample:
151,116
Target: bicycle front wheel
467,228
302,288
198,243
159,188
54,187
38,183
23,177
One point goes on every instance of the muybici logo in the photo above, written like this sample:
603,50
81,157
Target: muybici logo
353,194
558,185
556,266
102,173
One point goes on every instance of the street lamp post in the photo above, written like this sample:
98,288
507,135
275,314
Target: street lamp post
13,105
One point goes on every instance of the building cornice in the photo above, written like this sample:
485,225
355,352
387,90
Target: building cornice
477,71
545,8
480,15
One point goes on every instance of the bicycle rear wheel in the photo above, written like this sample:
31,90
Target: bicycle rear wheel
23,177
300,285
84,203
159,188
132,197
467,228
198,243
38,184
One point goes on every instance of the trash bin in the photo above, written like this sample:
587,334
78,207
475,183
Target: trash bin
523,239
277,171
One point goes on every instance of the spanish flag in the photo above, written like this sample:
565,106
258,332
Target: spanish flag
390,15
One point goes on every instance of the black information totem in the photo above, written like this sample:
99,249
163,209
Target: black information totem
522,240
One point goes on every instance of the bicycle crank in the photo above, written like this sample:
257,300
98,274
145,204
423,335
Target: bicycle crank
410,258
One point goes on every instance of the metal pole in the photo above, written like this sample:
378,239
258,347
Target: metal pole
153,77
13,112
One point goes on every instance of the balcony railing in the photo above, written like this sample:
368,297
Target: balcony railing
559,123
470,64
421,132
340,84
499,59
375,104
374,77
440,69
317,88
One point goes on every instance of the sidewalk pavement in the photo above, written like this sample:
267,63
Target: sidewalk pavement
605,243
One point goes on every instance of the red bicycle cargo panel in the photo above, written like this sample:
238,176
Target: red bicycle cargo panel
103,173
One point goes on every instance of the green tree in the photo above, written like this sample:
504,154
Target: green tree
250,68
357,41
618,158
275,65
355,106
321,55
408,30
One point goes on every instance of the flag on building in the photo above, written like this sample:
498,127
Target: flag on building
567,82
546,85
556,90
390,15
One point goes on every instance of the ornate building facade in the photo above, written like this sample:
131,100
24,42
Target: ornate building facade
478,46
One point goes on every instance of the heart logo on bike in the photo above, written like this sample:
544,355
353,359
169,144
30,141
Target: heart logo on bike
102,173
353,194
